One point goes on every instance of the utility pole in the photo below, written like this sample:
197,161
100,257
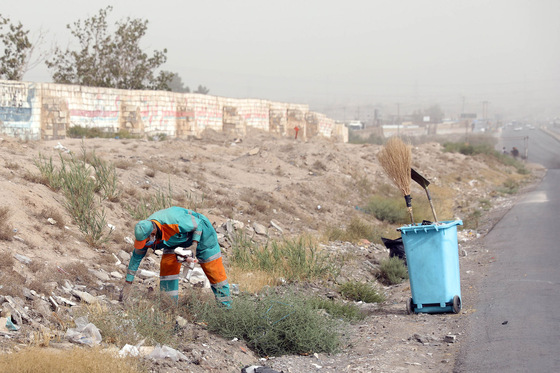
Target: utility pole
485,113
398,119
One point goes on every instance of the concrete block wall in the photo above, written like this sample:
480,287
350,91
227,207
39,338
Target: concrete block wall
46,111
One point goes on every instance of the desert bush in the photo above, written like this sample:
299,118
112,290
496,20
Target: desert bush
106,178
79,132
12,165
273,324
472,220
357,229
485,204
345,311
360,292
389,209
73,179
123,164
294,259
354,138
509,186
12,282
392,271
485,145
53,214
36,359
149,318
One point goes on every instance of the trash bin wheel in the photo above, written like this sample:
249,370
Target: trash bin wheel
409,306
456,304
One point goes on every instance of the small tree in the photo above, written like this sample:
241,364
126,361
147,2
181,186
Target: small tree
176,84
109,60
17,49
202,89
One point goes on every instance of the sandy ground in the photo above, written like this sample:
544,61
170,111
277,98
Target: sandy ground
288,186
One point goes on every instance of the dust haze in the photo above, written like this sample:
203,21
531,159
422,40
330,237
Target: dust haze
362,60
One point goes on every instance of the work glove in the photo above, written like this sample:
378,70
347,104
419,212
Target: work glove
125,292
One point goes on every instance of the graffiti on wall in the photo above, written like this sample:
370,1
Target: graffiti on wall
15,101
101,111
47,111
16,111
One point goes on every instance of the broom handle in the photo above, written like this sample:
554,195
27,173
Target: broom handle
431,204
408,200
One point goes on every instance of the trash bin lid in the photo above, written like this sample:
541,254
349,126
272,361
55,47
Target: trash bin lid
429,227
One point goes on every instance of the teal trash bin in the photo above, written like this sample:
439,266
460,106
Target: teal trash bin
432,256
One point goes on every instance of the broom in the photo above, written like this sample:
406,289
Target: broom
396,160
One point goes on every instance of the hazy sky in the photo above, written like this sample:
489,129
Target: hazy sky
343,58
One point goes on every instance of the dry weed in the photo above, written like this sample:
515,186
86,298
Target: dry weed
12,165
6,230
37,359
123,164
252,282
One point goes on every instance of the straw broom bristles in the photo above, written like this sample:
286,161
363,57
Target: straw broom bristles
396,160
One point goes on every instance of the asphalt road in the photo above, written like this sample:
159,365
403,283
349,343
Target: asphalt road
516,323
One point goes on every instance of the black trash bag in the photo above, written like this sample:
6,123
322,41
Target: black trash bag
396,248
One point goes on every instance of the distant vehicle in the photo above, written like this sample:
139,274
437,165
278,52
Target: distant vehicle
356,125
517,128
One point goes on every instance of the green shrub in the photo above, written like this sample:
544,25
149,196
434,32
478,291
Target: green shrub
472,220
485,204
509,186
345,311
79,189
79,132
354,138
392,271
389,209
484,145
360,292
106,178
273,324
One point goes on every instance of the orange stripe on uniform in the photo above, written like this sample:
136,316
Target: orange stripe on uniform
214,270
169,265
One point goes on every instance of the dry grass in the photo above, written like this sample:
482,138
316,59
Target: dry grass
6,230
42,282
53,214
252,282
123,164
12,283
12,165
77,360
36,178
6,262
77,272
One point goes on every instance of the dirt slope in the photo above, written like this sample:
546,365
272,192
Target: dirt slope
302,187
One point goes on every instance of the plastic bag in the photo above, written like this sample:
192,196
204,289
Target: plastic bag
396,248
